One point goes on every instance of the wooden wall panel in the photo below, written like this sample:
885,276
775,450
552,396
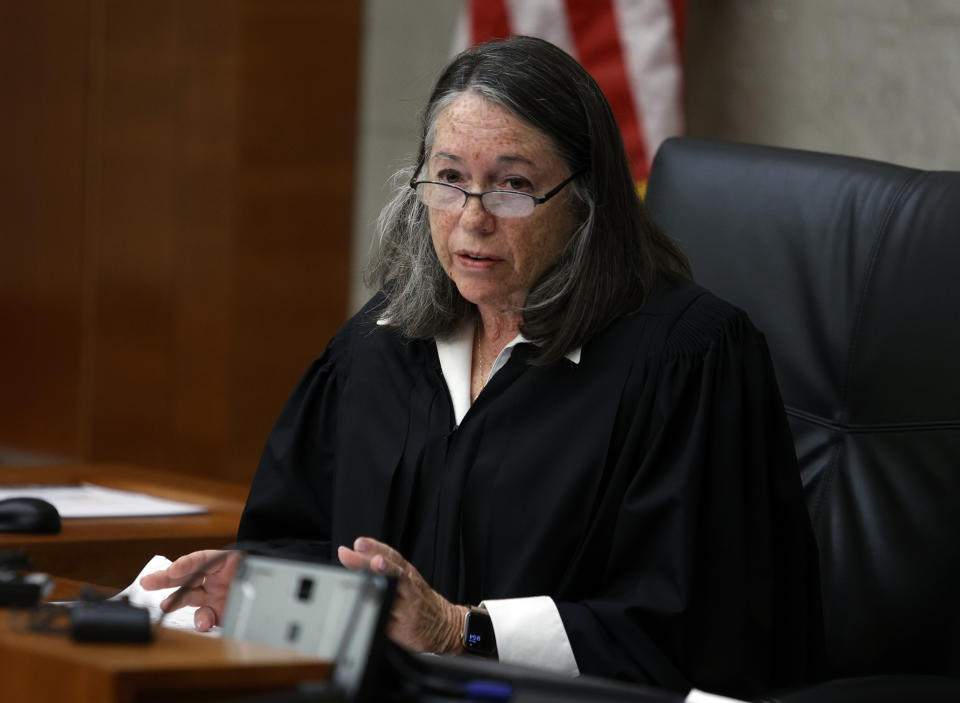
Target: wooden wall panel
215,146
295,197
166,235
43,55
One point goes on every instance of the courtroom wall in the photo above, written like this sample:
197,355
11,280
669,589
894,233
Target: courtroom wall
405,45
176,195
872,78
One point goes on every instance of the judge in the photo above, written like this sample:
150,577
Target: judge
541,414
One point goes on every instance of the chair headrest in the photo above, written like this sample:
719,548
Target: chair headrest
849,266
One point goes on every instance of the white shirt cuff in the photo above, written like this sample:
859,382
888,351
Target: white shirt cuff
529,632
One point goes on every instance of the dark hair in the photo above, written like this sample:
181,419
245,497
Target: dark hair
612,261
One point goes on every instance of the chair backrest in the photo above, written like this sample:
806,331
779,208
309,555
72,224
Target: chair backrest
851,268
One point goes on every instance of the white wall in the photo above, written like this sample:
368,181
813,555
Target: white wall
872,78
406,44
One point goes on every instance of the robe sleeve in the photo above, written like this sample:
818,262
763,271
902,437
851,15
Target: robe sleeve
711,579
288,510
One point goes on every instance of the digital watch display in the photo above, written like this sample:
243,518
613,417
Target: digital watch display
478,637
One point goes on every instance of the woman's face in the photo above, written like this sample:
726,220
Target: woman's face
479,146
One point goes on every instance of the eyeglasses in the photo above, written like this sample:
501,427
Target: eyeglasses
499,203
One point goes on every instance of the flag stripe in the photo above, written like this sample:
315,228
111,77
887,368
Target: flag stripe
633,48
679,10
546,19
489,20
597,39
652,65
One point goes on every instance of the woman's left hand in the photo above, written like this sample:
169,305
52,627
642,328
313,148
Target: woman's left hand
421,619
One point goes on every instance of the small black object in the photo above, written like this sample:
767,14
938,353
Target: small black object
22,591
15,560
478,637
109,621
18,587
28,515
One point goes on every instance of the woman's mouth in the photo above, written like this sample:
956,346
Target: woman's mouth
476,260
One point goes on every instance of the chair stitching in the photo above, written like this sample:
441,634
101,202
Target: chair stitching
833,464
892,207
831,468
830,473
875,428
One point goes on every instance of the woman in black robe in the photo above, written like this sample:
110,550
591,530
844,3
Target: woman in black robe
541,413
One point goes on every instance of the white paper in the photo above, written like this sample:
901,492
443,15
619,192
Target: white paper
89,500
697,696
181,619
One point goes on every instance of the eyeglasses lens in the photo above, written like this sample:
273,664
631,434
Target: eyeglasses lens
499,204
439,196
508,204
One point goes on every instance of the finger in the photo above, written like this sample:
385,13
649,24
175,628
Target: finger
157,580
226,566
183,598
381,565
378,563
384,559
180,571
371,547
352,560
204,618
195,597
218,579
187,565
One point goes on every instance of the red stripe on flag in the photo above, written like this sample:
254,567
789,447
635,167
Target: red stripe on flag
488,20
594,28
679,25
679,35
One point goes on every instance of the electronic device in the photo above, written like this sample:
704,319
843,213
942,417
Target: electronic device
19,586
28,515
23,591
109,621
478,635
317,609
340,614
460,677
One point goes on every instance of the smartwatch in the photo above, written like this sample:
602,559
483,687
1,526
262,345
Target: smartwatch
478,637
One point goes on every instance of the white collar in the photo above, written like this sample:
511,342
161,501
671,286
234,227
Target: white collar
456,359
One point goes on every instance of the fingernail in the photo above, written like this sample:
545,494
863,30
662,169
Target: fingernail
361,545
383,564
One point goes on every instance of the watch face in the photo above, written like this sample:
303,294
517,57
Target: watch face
478,637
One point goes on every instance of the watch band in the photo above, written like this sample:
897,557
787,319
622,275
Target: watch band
478,635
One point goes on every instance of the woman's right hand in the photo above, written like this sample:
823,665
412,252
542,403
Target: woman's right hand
208,594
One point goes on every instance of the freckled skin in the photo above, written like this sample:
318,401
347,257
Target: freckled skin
481,146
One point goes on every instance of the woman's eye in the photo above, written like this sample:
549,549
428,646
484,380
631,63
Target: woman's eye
448,177
517,184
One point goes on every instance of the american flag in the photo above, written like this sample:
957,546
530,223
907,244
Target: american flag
632,48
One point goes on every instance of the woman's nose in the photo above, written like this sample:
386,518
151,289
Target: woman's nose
475,218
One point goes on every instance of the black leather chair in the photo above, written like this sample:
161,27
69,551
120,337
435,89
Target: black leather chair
851,268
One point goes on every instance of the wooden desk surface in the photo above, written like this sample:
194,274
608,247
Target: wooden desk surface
176,666
111,551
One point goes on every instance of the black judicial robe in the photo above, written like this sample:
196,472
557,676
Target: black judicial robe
651,490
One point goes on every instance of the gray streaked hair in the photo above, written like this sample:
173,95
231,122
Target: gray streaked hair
610,264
